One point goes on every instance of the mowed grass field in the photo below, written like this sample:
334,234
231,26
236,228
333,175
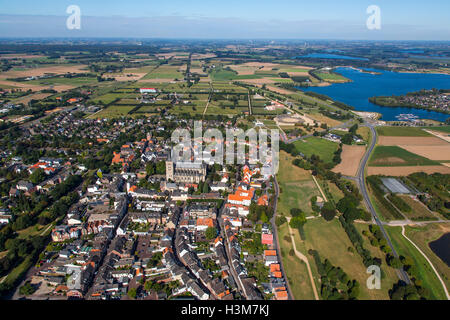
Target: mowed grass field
296,186
390,156
318,146
402,132
425,272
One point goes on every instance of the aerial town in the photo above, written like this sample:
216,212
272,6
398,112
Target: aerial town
151,169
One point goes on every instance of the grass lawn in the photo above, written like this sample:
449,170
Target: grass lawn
422,236
402,132
445,129
296,271
318,146
296,186
389,156
426,274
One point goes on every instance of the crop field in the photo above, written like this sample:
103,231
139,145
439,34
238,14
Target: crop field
164,72
351,157
389,156
113,112
402,132
318,146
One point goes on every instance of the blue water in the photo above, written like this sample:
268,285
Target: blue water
330,56
366,85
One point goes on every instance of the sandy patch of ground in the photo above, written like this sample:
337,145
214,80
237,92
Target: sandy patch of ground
430,152
407,170
351,157
447,164
62,69
410,141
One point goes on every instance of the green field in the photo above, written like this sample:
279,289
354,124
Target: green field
389,156
426,274
445,129
296,186
318,146
331,77
402,132
113,112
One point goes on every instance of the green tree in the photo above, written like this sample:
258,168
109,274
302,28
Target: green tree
211,233
132,293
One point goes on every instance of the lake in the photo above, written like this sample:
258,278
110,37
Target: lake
330,56
365,85
441,247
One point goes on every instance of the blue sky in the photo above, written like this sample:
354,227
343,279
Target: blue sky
324,19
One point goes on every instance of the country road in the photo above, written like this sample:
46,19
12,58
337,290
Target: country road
363,188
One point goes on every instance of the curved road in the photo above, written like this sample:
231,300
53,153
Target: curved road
362,186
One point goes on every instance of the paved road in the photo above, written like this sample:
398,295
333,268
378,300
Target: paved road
362,186
275,233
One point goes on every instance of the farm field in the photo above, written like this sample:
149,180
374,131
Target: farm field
411,141
113,112
406,170
426,273
320,147
402,132
438,153
351,157
390,156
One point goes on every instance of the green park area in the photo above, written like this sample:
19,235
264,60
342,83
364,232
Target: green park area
320,147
